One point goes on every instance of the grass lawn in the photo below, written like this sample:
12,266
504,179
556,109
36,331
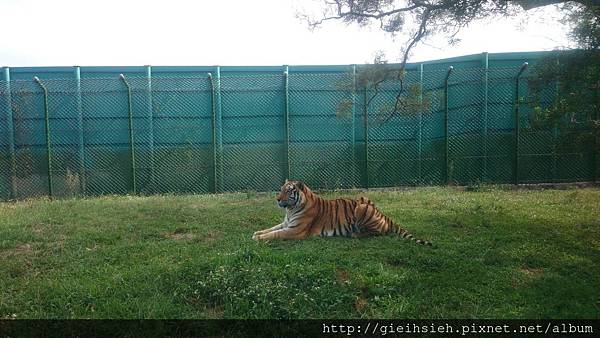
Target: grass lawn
497,254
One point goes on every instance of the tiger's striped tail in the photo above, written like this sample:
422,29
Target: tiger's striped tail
405,234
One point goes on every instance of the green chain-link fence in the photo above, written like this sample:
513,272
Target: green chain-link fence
213,132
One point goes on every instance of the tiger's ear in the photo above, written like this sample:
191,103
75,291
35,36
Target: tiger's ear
287,181
300,185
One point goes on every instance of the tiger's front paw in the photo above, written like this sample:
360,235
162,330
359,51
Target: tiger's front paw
256,235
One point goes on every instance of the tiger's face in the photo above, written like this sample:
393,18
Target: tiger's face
290,194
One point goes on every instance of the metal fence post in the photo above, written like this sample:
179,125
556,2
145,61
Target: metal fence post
554,153
214,130
485,116
446,134
80,129
366,137
555,126
517,125
48,138
149,108
353,136
10,135
287,122
595,136
594,157
219,128
420,145
131,138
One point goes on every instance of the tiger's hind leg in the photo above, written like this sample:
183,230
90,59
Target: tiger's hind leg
370,221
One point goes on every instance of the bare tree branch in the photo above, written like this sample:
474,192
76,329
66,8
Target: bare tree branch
433,16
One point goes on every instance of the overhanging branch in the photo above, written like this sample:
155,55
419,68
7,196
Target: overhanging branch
431,15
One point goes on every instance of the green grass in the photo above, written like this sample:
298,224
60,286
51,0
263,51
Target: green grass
497,254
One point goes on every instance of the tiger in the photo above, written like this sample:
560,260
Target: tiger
307,214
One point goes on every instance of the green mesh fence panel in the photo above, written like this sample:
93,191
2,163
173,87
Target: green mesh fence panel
537,157
431,107
322,146
172,119
393,147
548,153
65,125
500,123
6,173
253,131
466,130
106,149
29,140
249,130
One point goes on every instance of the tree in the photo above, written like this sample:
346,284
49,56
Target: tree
420,19
574,111
423,18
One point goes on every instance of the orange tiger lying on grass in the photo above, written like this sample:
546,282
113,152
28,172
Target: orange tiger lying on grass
308,214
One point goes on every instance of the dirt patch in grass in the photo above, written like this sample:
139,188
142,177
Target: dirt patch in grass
342,275
360,303
180,236
183,235
24,247
92,248
210,236
526,275
533,272
210,311
19,250
38,230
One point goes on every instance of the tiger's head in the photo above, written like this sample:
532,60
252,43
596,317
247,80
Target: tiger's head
291,194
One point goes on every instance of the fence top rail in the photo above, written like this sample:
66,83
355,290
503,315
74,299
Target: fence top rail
342,80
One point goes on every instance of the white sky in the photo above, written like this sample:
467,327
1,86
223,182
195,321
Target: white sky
227,32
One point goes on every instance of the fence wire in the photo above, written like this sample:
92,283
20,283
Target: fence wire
213,133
